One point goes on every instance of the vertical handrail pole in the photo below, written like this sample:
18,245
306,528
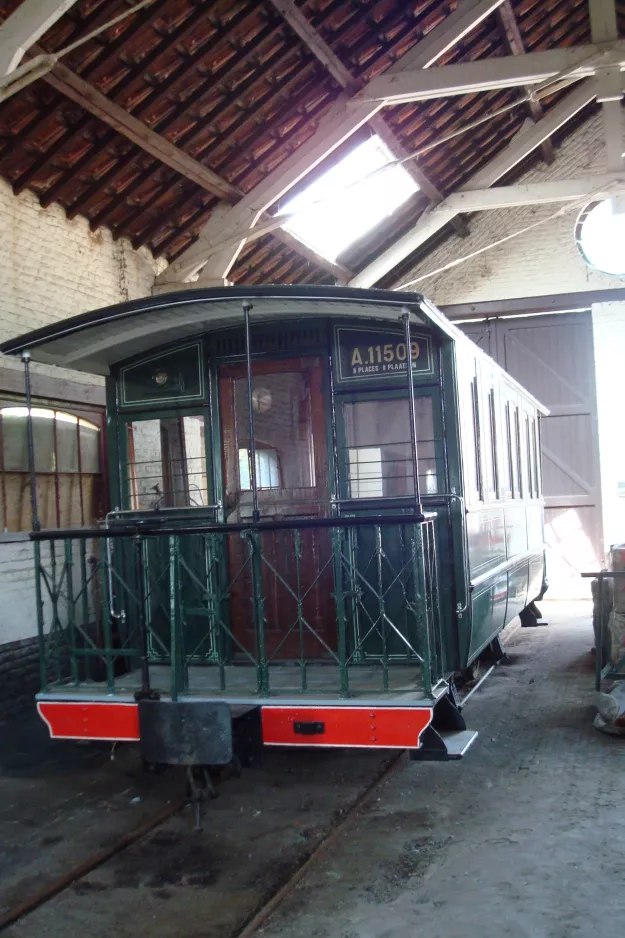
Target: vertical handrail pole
247,306
413,411
146,692
30,439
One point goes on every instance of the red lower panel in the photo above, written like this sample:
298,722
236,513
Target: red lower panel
68,719
379,728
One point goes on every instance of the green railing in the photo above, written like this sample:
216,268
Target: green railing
327,607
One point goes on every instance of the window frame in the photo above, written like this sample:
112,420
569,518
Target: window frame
355,396
92,414
125,420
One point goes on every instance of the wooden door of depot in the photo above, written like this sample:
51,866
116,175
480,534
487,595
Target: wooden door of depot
553,357
292,479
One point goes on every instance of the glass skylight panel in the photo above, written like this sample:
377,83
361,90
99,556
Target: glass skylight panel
348,201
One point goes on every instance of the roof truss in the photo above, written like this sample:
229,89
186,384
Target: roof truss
25,26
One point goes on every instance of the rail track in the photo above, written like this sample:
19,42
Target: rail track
259,915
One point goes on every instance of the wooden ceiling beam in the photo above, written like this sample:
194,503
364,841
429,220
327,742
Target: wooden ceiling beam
341,74
513,39
73,86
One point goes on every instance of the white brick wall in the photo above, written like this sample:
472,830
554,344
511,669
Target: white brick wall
543,261
52,268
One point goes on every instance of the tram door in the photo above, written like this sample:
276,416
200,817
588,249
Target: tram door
293,484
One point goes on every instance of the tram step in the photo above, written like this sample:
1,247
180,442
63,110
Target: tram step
442,747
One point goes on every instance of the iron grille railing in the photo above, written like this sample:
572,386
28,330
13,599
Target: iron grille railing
335,608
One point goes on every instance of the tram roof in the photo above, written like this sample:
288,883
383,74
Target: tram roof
94,341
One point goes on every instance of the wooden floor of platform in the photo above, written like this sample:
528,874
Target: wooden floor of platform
322,683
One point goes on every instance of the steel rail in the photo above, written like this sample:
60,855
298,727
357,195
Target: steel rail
61,883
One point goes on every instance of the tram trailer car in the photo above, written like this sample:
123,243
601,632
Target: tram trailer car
309,538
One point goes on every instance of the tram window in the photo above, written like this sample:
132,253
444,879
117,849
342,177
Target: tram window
267,468
477,434
506,481
520,452
167,463
489,441
528,457
282,425
512,420
378,448
67,467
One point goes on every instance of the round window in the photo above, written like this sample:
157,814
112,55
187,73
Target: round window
600,236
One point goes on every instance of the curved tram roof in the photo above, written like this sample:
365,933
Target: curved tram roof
94,341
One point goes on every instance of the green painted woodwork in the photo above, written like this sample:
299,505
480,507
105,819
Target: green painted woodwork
400,594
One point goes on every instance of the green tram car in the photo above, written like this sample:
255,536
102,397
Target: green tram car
309,539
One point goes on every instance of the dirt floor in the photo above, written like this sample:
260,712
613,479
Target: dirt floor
522,838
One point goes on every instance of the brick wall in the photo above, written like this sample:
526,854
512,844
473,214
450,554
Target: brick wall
546,260
50,268
19,676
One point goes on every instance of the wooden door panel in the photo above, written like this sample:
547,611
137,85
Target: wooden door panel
289,432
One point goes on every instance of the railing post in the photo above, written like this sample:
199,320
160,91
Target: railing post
421,606
43,669
339,601
71,611
258,611
379,553
108,637
146,692
297,549
179,673
85,601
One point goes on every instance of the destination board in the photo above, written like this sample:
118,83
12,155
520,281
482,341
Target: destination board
379,353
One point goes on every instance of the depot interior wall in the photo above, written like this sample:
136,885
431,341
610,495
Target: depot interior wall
51,267
546,261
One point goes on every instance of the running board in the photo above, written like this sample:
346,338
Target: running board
443,747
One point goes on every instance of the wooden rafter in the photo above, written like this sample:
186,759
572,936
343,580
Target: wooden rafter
341,74
83,93
511,34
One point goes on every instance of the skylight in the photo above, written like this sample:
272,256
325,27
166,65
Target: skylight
342,205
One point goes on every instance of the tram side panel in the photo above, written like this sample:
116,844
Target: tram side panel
503,495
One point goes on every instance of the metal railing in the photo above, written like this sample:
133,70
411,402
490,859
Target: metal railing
605,670
330,607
